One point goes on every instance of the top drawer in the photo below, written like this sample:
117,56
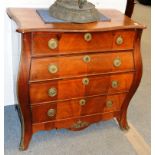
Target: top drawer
46,43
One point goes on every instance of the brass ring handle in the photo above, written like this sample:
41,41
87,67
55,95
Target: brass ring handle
85,81
109,104
51,112
53,43
82,102
87,37
119,40
117,62
53,68
86,59
115,84
52,92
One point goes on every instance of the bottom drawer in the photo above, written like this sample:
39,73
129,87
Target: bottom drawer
76,123
75,108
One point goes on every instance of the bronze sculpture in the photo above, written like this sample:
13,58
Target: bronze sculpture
81,11
78,11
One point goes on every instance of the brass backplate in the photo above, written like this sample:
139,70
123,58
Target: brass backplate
80,124
82,102
87,37
51,112
117,62
86,58
109,104
52,92
52,68
85,81
115,84
53,43
119,40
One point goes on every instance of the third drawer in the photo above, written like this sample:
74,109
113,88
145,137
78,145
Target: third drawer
78,87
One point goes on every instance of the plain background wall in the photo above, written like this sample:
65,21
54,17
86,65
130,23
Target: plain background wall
12,39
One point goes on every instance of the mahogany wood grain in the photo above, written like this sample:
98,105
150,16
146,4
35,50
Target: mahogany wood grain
29,21
34,81
76,44
68,123
23,91
122,119
75,88
72,108
99,63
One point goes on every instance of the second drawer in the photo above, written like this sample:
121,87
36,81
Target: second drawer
59,67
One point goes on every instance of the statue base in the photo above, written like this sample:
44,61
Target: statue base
69,10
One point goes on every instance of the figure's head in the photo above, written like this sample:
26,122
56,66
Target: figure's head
81,3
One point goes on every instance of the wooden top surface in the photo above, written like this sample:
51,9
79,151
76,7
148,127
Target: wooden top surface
28,20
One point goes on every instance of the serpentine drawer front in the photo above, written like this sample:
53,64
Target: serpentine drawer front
64,66
77,107
74,88
74,75
66,43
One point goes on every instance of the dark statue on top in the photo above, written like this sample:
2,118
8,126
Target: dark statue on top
77,11
81,11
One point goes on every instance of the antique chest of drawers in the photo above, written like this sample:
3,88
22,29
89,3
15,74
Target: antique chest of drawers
73,75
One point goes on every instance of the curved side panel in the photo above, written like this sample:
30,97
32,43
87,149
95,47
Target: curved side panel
23,91
122,119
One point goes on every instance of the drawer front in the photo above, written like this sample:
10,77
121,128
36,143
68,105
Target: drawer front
74,88
60,67
46,43
76,108
76,123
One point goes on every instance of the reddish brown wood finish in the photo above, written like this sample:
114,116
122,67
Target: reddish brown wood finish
76,44
75,88
122,119
72,108
68,123
99,63
29,21
34,79
23,91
